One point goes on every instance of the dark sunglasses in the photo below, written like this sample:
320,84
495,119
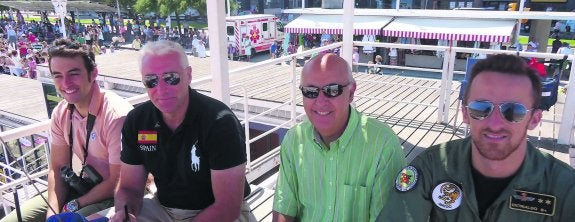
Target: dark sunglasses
171,78
330,90
511,111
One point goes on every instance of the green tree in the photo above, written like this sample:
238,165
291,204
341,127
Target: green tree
163,8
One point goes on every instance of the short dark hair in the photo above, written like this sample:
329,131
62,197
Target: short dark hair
69,49
509,65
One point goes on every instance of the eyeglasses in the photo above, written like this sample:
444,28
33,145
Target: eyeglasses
511,111
330,90
171,78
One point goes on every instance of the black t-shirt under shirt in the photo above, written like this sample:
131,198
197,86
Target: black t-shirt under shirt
487,189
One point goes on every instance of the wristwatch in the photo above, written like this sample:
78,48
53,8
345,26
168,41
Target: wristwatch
73,206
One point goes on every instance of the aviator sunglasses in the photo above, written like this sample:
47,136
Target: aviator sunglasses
171,78
511,111
330,90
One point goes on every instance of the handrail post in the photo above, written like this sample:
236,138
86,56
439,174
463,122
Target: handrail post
568,117
293,90
442,91
247,128
449,82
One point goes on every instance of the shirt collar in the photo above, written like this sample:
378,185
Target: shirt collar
523,176
191,113
533,169
97,98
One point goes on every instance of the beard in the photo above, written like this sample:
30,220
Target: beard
501,150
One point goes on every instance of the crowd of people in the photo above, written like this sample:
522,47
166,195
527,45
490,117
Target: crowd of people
21,58
24,45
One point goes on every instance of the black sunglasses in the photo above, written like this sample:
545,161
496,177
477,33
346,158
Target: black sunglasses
171,78
511,111
330,90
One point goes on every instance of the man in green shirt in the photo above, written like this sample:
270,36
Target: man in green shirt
496,174
339,165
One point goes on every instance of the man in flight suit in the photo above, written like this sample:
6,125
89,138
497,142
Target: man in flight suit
495,174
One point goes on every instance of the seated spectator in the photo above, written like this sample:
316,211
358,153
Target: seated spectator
379,61
96,48
31,67
16,68
43,57
370,69
32,38
495,173
117,40
339,164
25,67
137,43
4,63
531,47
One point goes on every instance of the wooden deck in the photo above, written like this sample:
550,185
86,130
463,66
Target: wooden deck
377,96
22,97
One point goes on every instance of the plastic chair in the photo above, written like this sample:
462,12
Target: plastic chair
550,88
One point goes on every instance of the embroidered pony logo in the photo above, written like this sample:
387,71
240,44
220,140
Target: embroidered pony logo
195,159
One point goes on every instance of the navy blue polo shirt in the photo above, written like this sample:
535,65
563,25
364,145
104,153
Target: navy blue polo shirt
210,137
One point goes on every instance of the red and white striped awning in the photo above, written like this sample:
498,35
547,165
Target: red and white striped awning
451,29
332,24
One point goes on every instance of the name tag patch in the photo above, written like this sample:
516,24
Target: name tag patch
532,202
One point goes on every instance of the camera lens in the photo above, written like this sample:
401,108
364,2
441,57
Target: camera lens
69,174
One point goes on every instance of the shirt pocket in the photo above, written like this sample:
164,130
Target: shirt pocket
355,204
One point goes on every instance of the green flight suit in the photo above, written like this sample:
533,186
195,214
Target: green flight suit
438,186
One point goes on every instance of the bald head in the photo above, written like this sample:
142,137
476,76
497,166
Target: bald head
327,63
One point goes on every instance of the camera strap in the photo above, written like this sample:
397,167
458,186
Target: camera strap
89,127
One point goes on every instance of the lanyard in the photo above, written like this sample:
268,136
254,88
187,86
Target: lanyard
89,127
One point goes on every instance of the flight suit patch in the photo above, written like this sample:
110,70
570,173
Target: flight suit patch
532,202
406,179
447,196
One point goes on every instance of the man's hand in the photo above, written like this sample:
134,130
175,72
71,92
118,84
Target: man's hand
120,216
130,192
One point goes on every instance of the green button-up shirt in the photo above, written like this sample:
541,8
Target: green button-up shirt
350,181
542,190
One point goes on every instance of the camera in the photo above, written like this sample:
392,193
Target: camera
84,184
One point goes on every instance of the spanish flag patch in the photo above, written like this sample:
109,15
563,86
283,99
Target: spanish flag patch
147,137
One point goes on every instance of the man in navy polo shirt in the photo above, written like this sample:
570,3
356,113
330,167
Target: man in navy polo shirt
193,145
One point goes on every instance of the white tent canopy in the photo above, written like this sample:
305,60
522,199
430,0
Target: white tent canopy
332,24
486,30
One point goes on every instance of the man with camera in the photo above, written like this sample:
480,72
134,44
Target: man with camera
87,124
